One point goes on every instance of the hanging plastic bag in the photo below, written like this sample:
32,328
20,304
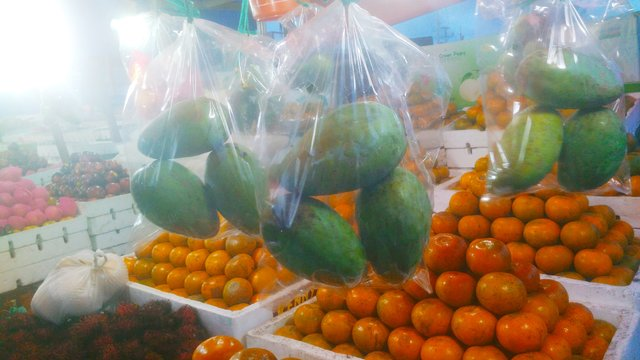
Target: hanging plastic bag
208,80
347,171
299,16
80,284
558,90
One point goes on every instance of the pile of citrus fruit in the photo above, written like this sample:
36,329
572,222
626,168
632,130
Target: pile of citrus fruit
485,306
558,232
224,347
230,270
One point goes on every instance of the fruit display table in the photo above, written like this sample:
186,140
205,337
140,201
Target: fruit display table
109,222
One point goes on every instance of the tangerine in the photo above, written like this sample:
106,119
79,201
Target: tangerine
473,325
369,335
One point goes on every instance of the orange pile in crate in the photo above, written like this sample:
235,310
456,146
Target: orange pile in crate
229,271
558,232
485,306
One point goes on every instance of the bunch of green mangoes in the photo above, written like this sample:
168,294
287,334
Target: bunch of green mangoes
589,147
357,146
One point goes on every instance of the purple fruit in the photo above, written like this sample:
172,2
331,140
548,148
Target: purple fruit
21,195
5,212
53,213
40,193
96,192
68,206
17,222
35,217
20,209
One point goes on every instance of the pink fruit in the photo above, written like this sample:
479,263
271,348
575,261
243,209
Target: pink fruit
3,223
35,217
5,212
39,204
68,206
40,192
20,209
53,213
21,195
6,199
26,183
17,222
11,173
7,187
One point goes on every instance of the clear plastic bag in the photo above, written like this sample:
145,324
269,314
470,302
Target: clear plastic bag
80,284
349,185
558,94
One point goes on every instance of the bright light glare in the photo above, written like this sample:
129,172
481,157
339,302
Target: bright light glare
133,31
35,44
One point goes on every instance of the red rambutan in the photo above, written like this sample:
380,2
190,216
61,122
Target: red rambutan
127,309
187,315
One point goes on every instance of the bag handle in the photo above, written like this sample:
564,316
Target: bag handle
99,259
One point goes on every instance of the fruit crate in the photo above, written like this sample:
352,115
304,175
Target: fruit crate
624,345
28,256
464,147
43,178
109,222
226,322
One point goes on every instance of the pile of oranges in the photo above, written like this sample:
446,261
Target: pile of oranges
557,232
485,306
231,270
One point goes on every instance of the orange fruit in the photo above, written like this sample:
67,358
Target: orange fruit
142,268
405,343
378,355
347,349
541,305
159,273
606,211
308,318
473,227
254,354
572,331
487,255
215,262
463,203
578,235
416,285
455,288
318,340
129,262
481,164
237,291
195,259
289,331
556,292
478,186
547,193
623,273
369,335
528,273
604,329
180,292
521,252
144,250
554,259
635,185
541,232
582,200
556,347
592,263
219,347
431,317
193,282
177,239
160,252
445,252
264,280
595,348
624,228
527,208
329,298
178,256
195,244
580,313
596,220
465,179
215,243
262,257
212,287
238,307
240,243
259,297
441,348
163,287
571,275
612,249
241,266
507,229
336,326
562,209
609,280
175,278
493,207
444,222
532,355
217,302
362,301
616,237
285,276
501,293
488,352
473,325
394,308
521,332
163,236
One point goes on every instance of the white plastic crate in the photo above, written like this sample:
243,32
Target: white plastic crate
42,178
623,346
225,322
627,207
109,222
464,147
116,241
28,256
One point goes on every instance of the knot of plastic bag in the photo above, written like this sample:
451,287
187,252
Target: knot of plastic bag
99,259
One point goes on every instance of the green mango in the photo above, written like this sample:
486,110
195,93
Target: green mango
394,218
319,244
314,75
529,147
356,145
245,107
583,81
234,179
594,146
188,128
172,197
634,163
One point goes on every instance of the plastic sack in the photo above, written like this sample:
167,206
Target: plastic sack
298,16
348,179
80,284
207,85
552,99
